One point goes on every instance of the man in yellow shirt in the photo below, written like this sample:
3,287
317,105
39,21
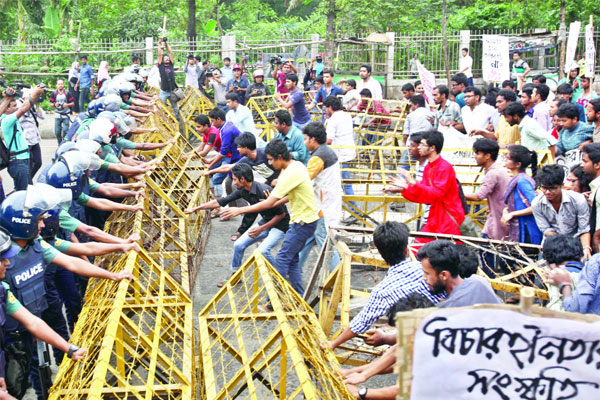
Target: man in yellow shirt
294,185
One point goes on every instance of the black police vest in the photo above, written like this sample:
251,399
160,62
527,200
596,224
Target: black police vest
25,277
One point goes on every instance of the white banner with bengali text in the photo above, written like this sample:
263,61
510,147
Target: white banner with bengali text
428,81
502,354
590,51
574,29
495,61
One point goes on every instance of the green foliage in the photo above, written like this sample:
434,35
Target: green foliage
52,22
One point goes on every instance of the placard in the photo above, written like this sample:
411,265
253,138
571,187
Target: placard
502,354
428,81
495,60
574,29
590,51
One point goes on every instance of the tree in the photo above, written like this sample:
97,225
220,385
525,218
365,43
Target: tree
191,27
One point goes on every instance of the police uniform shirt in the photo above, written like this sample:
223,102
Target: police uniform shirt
12,304
48,251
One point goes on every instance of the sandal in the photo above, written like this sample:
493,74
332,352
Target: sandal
235,236
222,283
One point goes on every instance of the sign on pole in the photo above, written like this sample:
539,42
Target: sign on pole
574,29
495,60
504,354
427,80
590,51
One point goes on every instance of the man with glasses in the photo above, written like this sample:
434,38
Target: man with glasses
559,211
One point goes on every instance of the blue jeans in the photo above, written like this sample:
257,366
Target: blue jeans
287,258
163,96
319,239
84,98
218,178
301,126
348,189
61,126
223,107
19,171
271,238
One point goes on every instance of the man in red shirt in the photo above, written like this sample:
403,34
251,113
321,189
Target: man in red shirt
210,138
439,188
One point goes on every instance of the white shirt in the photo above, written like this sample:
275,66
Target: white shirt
242,119
340,130
349,97
466,62
418,121
373,86
477,119
191,75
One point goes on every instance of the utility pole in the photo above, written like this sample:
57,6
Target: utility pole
562,38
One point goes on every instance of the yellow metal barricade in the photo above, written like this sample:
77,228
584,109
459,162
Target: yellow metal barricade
250,354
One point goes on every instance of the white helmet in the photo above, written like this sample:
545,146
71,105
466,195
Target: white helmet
87,146
101,130
258,72
113,99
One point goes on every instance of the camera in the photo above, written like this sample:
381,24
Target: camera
164,39
191,56
16,86
319,59
278,60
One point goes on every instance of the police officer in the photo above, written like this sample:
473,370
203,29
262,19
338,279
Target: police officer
22,215
10,306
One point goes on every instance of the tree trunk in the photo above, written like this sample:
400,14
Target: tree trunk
330,35
218,18
191,27
445,42
562,37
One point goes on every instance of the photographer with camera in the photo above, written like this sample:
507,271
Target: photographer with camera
281,68
30,125
238,84
219,87
16,144
192,71
167,77
62,101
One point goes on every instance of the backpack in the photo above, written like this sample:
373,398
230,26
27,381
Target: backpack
5,152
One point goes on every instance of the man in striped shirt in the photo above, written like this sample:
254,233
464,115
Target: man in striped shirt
403,278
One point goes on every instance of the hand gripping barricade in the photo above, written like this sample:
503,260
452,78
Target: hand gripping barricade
140,333
334,290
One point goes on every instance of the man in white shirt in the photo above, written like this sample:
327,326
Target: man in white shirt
241,117
541,110
476,116
419,119
367,82
340,132
192,71
465,65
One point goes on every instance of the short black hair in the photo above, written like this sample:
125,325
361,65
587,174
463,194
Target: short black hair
417,83
351,83
408,87
595,104
521,154
540,78
204,62
550,175
593,151
560,248
411,302
416,137
509,83
443,89
367,67
442,255
568,110
226,59
246,140
391,240
327,71
217,113
469,261
365,93
135,58
232,96
418,100
320,80
565,88
202,120
460,78
487,146
474,90
243,170
465,49
528,91
284,117
333,102
276,148
543,90
292,77
515,109
316,130
83,56
508,95
435,139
